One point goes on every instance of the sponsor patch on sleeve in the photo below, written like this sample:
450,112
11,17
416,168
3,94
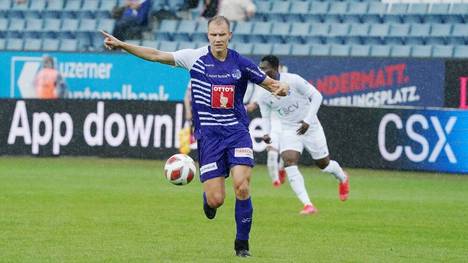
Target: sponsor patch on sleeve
243,152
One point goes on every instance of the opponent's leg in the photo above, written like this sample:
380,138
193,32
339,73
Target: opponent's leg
272,165
334,168
296,180
316,144
243,214
282,172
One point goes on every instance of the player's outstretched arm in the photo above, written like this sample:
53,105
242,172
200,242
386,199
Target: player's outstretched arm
276,87
151,54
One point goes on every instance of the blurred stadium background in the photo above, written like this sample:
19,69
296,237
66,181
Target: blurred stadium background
394,75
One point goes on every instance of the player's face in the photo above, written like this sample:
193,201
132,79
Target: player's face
219,36
268,69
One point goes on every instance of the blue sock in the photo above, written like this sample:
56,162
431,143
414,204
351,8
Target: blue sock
244,211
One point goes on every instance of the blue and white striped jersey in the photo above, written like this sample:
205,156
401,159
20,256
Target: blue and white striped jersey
218,89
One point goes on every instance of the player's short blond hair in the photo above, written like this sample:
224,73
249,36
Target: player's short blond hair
219,20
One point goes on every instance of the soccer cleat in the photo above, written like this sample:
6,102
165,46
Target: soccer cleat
308,210
209,211
343,189
243,253
282,175
276,184
242,248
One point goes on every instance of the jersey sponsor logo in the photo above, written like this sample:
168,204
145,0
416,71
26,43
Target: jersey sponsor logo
255,71
208,167
243,152
236,74
219,76
222,96
288,109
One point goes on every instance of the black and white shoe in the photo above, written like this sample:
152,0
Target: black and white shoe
242,248
243,253
209,212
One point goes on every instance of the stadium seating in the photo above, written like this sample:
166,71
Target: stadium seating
421,51
400,51
49,44
300,49
380,51
32,44
319,50
14,44
360,50
295,27
460,51
281,49
68,45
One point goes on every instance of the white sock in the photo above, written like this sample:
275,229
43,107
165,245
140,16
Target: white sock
335,169
272,164
281,164
296,180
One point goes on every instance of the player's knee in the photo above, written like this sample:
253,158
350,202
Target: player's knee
322,163
289,162
242,190
216,200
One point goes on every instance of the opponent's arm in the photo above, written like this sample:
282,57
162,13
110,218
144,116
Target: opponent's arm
314,97
315,102
151,54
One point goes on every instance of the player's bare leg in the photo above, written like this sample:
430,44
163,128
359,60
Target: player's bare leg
213,194
333,167
241,181
296,180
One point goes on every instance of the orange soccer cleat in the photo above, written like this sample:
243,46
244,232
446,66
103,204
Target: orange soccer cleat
282,175
277,184
343,189
308,210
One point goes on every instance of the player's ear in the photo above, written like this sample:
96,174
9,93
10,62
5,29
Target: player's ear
230,35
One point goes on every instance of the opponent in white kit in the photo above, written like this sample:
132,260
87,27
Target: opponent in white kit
300,128
275,165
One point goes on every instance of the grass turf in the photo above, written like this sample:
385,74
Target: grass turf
118,210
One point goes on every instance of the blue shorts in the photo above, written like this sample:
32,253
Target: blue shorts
218,154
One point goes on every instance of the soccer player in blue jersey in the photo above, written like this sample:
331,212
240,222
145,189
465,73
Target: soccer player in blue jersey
219,78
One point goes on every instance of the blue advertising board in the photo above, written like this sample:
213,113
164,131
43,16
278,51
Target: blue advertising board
372,82
398,138
367,82
432,140
94,76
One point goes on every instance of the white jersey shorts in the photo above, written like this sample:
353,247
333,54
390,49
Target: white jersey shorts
313,140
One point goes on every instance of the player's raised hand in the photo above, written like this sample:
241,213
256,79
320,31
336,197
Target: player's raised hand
111,42
281,89
303,129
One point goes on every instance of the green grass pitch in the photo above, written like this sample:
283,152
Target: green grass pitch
119,210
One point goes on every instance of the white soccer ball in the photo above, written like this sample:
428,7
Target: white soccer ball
180,169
